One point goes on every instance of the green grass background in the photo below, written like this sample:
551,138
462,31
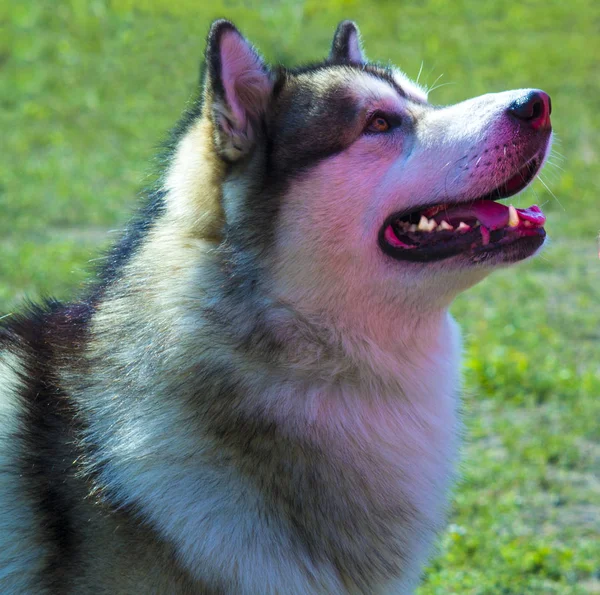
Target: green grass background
89,88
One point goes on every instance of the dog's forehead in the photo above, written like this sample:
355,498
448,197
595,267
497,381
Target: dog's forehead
366,84
413,90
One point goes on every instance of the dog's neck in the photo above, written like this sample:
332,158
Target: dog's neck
367,324
217,367
205,394
374,335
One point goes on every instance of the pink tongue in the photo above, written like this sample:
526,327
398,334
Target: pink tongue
491,214
533,214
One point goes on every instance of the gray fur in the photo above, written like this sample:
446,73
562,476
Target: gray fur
199,425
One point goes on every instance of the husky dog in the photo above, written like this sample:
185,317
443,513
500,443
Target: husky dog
259,395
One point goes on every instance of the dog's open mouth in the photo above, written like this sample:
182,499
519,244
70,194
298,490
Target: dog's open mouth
480,225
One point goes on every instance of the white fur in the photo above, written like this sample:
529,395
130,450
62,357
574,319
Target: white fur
217,520
412,89
19,552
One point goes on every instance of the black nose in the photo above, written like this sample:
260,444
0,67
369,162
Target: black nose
533,108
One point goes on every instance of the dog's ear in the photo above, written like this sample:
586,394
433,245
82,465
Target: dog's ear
346,46
237,89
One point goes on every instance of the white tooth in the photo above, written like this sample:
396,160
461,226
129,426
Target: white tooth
462,226
446,226
513,217
426,224
423,223
412,227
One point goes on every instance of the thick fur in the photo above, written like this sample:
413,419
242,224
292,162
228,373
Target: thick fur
254,398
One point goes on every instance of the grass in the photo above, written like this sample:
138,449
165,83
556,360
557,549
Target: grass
90,87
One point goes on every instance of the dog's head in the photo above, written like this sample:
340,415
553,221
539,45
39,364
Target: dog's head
353,188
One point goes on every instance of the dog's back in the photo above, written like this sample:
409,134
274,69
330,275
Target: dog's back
21,555
56,533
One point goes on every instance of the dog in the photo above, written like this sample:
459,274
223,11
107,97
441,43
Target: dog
259,392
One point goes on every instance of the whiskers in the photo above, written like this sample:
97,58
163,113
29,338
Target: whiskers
420,71
431,88
436,86
550,192
555,161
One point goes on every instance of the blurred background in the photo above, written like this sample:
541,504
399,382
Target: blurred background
88,90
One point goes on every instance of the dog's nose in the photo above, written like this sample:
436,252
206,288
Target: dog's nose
533,108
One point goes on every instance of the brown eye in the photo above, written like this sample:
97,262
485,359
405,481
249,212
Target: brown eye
378,124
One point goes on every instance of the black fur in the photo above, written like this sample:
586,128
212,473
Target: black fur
340,48
213,54
131,239
46,336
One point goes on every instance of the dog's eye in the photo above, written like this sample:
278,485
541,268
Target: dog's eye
378,123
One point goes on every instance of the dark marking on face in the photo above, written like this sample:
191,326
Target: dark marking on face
305,124
309,119
308,127
383,73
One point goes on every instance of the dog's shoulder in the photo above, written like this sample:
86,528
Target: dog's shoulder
21,556
36,427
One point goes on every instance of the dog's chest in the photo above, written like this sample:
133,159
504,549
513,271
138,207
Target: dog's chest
373,481
337,489
358,483
386,472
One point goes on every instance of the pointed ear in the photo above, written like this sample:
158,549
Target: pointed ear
346,45
237,89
